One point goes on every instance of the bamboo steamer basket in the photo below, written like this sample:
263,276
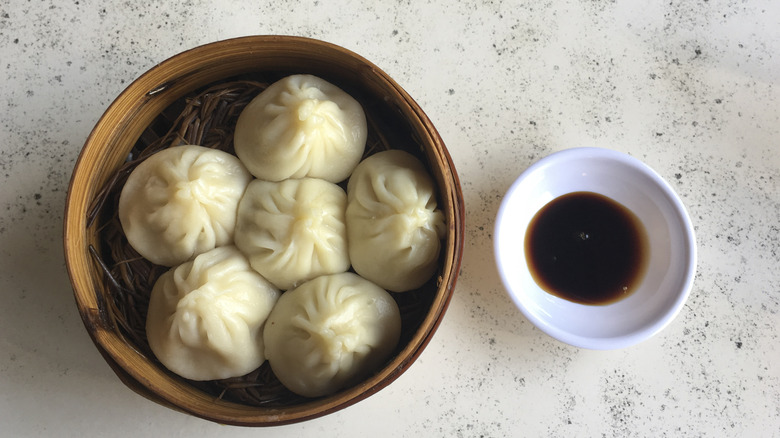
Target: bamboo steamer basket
142,104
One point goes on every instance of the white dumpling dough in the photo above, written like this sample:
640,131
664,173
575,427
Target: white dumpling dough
181,202
206,316
394,228
301,126
293,230
330,332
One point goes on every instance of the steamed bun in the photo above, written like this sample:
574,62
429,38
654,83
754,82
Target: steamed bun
394,227
330,332
301,126
181,202
206,316
293,230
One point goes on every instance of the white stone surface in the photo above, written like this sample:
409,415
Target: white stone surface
691,87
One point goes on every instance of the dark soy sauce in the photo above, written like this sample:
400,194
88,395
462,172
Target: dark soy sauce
586,248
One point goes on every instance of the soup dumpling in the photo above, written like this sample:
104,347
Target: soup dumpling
394,227
181,202
293,230
330,332
206,316
301,126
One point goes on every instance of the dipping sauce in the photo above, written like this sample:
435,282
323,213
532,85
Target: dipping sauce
586,248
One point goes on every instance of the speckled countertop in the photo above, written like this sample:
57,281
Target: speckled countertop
691,87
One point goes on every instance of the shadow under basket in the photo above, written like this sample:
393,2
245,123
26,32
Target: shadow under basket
195,97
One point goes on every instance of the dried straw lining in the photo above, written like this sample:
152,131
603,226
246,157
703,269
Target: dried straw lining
206,118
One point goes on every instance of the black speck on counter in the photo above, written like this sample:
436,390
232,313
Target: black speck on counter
620,394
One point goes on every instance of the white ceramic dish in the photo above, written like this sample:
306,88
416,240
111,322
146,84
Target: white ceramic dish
667,281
